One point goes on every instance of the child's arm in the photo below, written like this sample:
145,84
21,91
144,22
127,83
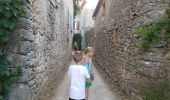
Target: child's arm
91,68
69,83
88,80
87,76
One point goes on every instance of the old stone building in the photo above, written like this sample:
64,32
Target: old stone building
115,43
41,46
86,20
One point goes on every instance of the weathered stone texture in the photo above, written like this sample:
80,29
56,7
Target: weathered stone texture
89,38
115,50
41,46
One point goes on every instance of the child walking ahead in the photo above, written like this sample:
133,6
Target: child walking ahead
88,53
78,75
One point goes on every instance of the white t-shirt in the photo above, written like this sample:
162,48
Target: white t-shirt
77,77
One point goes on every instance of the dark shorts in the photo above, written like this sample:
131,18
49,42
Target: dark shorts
76,99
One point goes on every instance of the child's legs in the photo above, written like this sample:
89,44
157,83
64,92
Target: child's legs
87,93
88,85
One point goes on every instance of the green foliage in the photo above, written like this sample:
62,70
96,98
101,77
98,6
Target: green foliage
156,90
168,12
152,33
10,12
7,76
77,9
77,38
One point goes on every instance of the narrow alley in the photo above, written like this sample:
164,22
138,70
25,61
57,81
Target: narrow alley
99,91
130,39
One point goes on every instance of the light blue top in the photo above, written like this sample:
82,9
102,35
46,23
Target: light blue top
86,66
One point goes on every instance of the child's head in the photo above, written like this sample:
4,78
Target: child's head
89,51
78,56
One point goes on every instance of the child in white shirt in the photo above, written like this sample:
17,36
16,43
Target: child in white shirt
78,76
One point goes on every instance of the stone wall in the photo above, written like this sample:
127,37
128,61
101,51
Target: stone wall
89,38
86,23
41,46
115,44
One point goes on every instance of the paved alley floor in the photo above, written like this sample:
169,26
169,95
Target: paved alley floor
99,90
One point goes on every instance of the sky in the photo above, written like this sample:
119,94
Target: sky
91,4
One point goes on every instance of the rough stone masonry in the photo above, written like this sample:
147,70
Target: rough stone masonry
115,43
41,46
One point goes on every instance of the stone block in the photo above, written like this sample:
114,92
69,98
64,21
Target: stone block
32,63
25,23
18,60
25,47
28,74
167,55
20,92
26,35
151,57
31,83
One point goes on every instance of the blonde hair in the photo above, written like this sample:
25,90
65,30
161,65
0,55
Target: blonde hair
88,49
77,56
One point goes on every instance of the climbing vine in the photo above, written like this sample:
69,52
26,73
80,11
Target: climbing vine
154,32
10,12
